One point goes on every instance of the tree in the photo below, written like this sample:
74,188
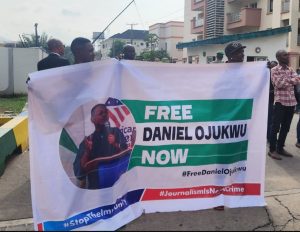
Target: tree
29,41
69,55
116,49
160,54
152,40
98,55
154,55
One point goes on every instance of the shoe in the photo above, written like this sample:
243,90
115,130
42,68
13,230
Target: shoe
284,153
219,208
297,145
274,155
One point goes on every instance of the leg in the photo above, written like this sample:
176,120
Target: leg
288,113
298,133
270,118
276,122
297,109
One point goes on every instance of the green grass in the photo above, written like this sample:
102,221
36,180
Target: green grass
13,103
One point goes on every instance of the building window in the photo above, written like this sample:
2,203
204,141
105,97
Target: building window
200,37
256,58
285,6
253,5
270,6
285,23
198,21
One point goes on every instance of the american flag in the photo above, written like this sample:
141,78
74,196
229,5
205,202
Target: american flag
117,111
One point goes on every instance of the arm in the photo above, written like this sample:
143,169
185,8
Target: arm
112,140
282,82
77,166
119,149
117,140
88,145
66,62
295,79
93,164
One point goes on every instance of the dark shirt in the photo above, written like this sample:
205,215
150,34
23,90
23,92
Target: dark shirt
52,61
101,148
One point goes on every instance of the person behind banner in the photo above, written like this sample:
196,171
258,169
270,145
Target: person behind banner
297,110
83,50
284,78
235,52
55,59
219,58
128,52
271,65
102,156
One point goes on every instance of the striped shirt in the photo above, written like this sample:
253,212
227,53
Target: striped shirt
284,79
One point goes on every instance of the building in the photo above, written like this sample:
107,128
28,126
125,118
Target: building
265,14
169,35
135,37
261,45
264,26
203,19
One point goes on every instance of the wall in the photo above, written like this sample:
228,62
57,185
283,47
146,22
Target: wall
15,65
5,59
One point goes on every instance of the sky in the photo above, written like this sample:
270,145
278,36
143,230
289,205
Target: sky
68,19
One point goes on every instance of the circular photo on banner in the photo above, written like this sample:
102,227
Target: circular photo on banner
96,144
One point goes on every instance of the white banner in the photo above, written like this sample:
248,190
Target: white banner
110,140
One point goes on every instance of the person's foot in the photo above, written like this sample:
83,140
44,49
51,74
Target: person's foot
219,208
274,155
284,153
297,145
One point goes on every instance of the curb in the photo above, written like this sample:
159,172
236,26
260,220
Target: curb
13,137
17,225
27,224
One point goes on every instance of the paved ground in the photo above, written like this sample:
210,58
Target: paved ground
281,214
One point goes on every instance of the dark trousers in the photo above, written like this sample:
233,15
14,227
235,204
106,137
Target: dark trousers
282,119
270,117
298,108
298,131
